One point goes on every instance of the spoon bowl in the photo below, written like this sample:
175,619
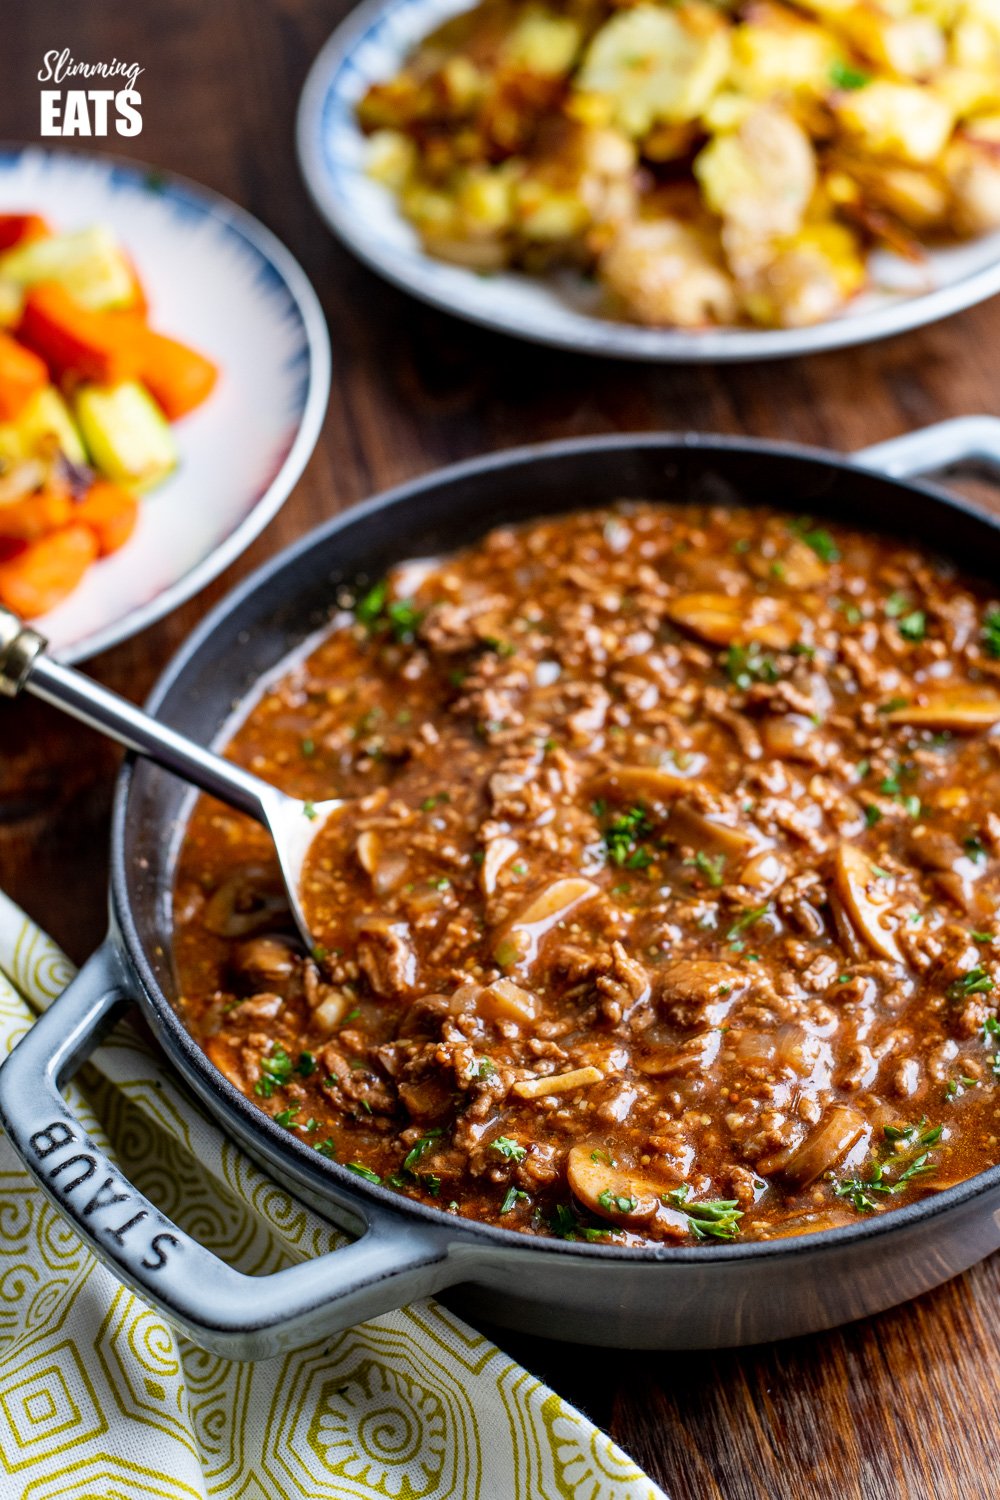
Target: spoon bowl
292,824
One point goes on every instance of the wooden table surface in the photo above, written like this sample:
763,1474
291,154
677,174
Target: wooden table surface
904,1405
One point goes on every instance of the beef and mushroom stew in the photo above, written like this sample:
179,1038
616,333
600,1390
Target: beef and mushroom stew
665,905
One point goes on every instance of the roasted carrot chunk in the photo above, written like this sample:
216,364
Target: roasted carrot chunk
74,340
16,229
176,376
22,375
35,516
111,513
48,570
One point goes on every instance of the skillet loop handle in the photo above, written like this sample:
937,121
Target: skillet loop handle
237,1316
961,440
19,648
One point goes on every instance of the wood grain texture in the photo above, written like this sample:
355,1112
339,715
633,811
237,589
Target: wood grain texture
904,1405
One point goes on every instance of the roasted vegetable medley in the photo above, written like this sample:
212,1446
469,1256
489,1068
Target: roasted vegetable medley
666,901
88,390
709,163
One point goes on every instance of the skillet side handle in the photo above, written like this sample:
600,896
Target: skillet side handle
961,440
223,1310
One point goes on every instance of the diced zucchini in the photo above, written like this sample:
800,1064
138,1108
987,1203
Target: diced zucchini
126,434
47,415
88,263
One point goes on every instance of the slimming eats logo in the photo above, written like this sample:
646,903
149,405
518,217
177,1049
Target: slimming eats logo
89,111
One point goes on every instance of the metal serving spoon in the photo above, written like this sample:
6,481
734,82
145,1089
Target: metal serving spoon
293,825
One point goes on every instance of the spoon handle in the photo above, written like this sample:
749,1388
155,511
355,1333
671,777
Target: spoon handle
24,664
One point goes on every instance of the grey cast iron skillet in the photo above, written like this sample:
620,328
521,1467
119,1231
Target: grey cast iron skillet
661,1297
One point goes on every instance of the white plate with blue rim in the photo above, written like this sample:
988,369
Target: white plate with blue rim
220,281
565,310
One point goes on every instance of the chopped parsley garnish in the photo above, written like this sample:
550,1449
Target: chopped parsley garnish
508,1149
895,604
376,612
913,627
621,1203
370,606
286,1117
818,538
873,815
326,1148
748,918
892,705
563,1222
975,982
718,1219
623,839
429,803
309,811
746,665
360,1170
925,1134
844,75
275,1071
859,1191
710,866
990,633
974,848
306,1064
420,1148
510,1199
308,748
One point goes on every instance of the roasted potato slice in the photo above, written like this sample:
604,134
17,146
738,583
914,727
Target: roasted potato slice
867,900
760,177
661,271
652,64
897,120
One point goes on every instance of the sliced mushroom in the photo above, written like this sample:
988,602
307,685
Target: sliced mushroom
963,708
517,942
867,900
496,854
688,826
800,566
607,1192
367,849
696,1055
643,784
837,1132
264,962
728,619
387,870
251,900
764,872
796,737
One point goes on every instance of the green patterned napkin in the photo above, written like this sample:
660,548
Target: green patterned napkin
101,1400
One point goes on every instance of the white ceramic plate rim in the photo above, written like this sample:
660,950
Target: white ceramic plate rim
462,295
318,378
